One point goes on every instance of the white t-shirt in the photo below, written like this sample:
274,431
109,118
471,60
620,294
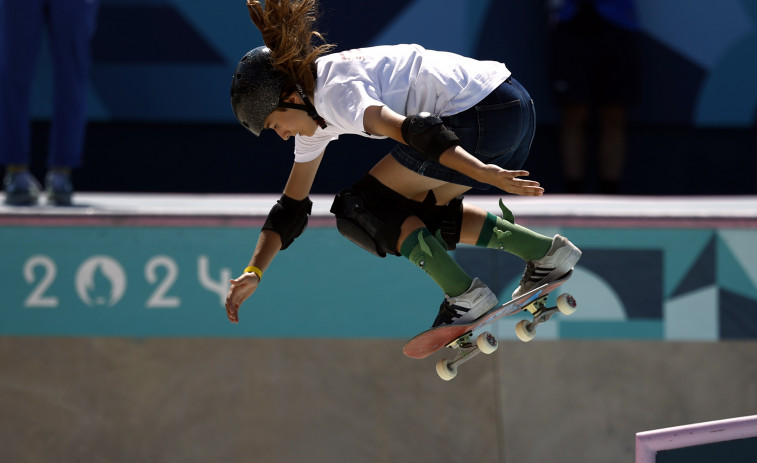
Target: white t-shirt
406,78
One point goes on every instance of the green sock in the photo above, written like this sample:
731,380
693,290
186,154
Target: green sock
423,250
500,234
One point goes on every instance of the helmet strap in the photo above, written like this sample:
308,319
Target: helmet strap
307,107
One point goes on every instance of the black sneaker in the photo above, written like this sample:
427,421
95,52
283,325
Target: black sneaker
59,187
21,188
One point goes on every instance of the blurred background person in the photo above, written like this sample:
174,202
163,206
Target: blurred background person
70,25
594,66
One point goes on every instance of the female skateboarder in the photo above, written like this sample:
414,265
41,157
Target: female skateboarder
459,124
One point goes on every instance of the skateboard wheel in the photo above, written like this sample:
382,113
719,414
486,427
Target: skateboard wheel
487,343
566,304
445,370
523,331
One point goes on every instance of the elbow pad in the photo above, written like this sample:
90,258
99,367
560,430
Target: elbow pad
427,134
288,218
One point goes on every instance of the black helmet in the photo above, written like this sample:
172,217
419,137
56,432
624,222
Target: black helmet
256,89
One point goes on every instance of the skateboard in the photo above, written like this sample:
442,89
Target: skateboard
460,337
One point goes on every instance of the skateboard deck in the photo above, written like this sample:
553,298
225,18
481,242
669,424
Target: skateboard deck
430,341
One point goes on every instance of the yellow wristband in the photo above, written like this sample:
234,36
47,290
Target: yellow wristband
255,270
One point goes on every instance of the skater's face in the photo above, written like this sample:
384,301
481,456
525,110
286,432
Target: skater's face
287,122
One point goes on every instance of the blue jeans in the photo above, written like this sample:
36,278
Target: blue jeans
498,130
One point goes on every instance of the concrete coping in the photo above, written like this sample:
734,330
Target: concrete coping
251,210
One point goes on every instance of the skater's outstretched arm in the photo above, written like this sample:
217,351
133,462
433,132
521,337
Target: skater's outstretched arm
380,120
269,242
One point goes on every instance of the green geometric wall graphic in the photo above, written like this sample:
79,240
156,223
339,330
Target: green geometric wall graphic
693,316
702,273
682,249
738,316
742,246
731,275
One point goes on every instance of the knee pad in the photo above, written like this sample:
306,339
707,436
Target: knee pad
371,215
445,221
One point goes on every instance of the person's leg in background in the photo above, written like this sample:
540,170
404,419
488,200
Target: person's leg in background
21,30
71,25
612,147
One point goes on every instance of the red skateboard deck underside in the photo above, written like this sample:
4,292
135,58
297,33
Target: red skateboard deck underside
428,342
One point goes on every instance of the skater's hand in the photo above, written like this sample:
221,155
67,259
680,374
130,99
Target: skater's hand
507,180
241,288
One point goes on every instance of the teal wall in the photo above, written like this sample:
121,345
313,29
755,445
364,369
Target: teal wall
675,284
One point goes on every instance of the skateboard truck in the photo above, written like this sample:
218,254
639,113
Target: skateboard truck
485,342
460,337
526,330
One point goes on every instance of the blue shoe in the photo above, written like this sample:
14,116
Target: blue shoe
59,187
21,188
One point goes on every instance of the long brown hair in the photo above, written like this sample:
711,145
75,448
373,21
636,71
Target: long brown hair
287,29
